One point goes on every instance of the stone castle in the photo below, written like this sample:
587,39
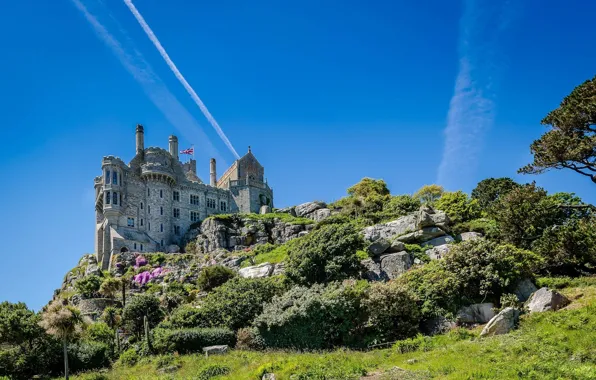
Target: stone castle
149,204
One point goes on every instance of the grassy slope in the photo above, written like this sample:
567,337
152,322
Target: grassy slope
559,345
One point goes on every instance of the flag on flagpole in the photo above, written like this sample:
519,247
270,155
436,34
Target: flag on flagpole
190,150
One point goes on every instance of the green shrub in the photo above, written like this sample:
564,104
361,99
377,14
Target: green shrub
86,355
213,370
312,318
234,304
156,259
191,340
214,276
509,300
487,227
488,191
249,338
325,255
392,312
88,286
137,308
418,252
100,332
129,357
458,206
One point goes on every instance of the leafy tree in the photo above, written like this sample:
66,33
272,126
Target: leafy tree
214,276
490,190
100,332
325,255
570,248
428,194
88,286
18,325
111,317
137,308
368,187
571,141
64,322
400,205
458,206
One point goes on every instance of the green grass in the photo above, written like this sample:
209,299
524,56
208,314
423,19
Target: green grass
551,345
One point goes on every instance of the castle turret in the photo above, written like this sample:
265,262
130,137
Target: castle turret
213,173
140,136
173,146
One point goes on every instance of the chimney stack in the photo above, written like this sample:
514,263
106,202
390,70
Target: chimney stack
213,173
140,135
173,146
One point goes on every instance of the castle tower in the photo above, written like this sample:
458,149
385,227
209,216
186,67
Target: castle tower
173,146
140,138
212,173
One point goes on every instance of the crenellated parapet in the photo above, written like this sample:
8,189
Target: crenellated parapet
158,172
112,160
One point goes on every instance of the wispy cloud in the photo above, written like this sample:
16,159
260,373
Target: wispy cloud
472,106
179,76
134,62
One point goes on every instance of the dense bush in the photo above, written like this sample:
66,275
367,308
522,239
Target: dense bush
488,191
100,332
214,276
325,255
129,357
234,304
191,340
458,206
569,248
312,318
392,312
485,226
88,286
473,271
249,338
137,308
85,355
428,194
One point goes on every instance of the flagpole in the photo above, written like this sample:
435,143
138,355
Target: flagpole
193,151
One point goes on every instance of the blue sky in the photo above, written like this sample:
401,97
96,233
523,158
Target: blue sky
325,92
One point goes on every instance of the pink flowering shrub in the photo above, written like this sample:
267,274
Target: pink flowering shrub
146,276
141,261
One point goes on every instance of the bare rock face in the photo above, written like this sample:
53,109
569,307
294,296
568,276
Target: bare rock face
257,271
465,236
476,313
419,227
387,267
438,252
524,289
307,208
445,239
545,299
501,323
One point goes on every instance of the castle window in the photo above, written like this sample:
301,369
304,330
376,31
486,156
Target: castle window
108,197
177,230
141,222
211,203
176,196
141,247
161,211
120,199
148,226
176,213
148,192
162,242
223,206
131,222
194,199
135,246
194,216
107,177
114,178
148,209
161,193
161,228
141,205
115,198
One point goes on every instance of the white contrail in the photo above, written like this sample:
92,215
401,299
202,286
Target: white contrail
180,77
472,106
153,86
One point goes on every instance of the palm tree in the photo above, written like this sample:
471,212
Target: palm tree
63,321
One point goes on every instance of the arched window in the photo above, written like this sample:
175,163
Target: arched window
114,178
161,193
108,197
141,247
135,246
161,211
107,180
115,198
141,205
124,249
162,242
148,192
141,222
161,228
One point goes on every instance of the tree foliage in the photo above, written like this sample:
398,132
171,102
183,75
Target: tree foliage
137,308
325,255
428,194
458,206
490,190
214,276
88,286
570,142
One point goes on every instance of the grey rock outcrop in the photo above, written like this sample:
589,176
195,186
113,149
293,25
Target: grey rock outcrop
379,246
524,289
465,236
438,252
501,323
545,299
215,350
257,271
437,325
320,214
476,313
417,227
387,267
445,239
304,209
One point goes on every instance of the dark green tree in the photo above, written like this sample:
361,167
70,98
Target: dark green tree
214,276
458,206
570,142
137,308
490,190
